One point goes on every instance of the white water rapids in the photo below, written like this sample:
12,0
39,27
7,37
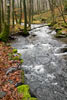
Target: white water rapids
44,66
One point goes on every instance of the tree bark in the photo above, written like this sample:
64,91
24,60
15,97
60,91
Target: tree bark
30,13
25,17
20,11
13,13
0,16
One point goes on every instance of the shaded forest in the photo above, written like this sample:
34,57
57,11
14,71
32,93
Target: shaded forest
33,49
15,12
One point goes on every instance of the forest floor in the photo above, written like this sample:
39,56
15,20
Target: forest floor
9,59
59,26
45,17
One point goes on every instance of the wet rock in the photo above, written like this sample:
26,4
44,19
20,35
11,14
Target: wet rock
2,94
12,69
12,38
33,35
27,76
18,84
65,57
31,93
10,81
43,20
61,36
63,50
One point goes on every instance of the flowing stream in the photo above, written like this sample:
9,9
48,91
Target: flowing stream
44,64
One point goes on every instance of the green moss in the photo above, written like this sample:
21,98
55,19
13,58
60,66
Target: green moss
65,5
10,56
5,33
33,99
22,74
21,61
58,30
25,90
19,54
8,44
49,24
14,50
16,58
58,34
56,26
64,25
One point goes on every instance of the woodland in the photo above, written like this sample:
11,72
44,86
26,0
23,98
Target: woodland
18,20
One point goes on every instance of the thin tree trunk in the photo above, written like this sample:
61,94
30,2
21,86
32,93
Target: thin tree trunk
25,17
13,13
2,12
30,13
32,10
0,16
20,11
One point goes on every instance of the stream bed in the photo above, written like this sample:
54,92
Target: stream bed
44,64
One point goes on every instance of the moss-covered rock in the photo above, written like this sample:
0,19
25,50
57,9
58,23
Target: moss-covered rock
60,35
21,60
24,89
14,50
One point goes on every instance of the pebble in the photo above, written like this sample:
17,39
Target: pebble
2,94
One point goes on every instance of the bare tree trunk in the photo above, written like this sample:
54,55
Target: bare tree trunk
20,11
25,17
13,13
0,16
30,13
2,12
51,4
32,9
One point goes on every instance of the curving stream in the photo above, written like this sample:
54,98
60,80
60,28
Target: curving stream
44,64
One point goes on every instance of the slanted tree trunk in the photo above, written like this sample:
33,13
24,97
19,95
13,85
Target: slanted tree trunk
62,12
60,9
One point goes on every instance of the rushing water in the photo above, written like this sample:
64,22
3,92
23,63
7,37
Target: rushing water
44,66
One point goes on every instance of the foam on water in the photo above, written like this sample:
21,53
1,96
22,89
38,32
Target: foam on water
39,69
45,71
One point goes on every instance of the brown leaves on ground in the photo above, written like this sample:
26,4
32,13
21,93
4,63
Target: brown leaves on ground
7,82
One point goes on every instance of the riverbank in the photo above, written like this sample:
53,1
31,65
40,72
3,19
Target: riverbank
8,60
59,26
11,77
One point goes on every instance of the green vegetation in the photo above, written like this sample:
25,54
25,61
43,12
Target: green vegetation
24,89
5,33
21,60
65,5
22,74
14,50
64,25
15,56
